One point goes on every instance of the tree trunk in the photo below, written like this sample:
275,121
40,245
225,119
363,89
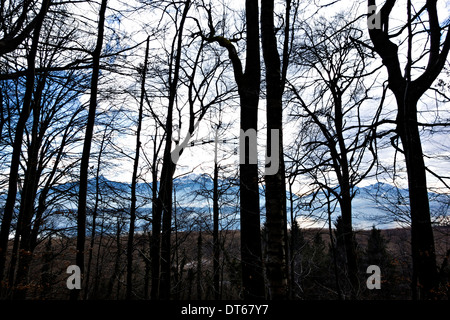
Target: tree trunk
199,265
408,93
349,241
134,180
17,145
333,248
275,183
293,239
27,206
345,199
164,202
148,269
425,273
84,166
216,244
249,87
248,82
94,216
165,206
155,238
99,261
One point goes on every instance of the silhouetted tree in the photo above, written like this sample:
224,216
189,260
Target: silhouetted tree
407,93
15,23
376,248
248,83
84,166
130,247
18,138
335,67
276,216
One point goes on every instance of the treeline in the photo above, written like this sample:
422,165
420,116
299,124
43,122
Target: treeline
317,266
145,91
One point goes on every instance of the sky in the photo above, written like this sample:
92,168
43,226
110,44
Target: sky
200,158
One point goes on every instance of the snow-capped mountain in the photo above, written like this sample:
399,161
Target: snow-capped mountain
379,204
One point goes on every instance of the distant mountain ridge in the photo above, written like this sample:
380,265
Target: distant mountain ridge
379,204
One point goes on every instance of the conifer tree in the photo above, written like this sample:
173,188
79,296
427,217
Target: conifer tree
376,248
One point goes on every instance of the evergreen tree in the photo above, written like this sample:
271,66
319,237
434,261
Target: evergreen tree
377,254
313,268
297,243
376,248
320,274
339,240
297,239
343,274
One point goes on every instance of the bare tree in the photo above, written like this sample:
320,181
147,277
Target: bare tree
192,78
17,146
407,93
342,140
15,24
276,215
84,166
130,247
248,83
163,208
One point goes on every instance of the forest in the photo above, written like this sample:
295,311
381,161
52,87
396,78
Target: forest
224,150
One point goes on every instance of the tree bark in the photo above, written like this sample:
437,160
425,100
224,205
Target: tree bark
17,145
134,179
164,201
407,93
26,211
94,217
11,41
84,166
345,204
248,82
249,87
345,198
275,183
216,243
425,272
155,238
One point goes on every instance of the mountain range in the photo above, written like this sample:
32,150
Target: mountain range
381,205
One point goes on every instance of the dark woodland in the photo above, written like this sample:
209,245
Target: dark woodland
224,150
